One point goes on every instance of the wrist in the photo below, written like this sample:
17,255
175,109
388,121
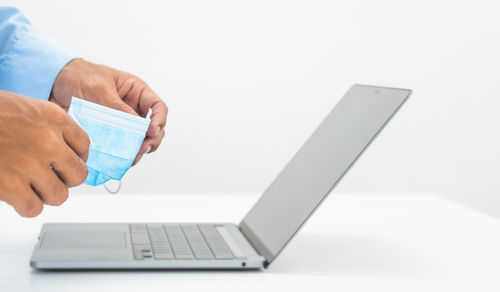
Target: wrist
64,83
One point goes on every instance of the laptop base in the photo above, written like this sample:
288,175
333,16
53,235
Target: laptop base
114,246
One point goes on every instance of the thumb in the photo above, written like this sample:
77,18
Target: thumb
115,102
122,106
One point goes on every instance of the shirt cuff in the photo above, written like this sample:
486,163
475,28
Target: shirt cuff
31,64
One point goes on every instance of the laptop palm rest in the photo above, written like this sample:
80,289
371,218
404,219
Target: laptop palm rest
84,240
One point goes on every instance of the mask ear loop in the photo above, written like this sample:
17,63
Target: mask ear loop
113,192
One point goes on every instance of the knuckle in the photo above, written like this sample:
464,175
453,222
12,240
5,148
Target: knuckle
75,171
162,106
82,139
154,147
156,144
135,80
48,139
84,142
55,112
164,121
83,175
29,208
79,175
60,197
96,85
165,106
14,182
29,162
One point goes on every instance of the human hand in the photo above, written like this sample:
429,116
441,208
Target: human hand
42,153
115,89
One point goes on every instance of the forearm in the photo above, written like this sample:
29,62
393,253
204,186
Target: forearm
29,60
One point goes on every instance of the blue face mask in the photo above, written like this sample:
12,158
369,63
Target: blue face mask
115,139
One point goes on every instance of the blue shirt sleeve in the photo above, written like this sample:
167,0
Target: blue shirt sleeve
29,60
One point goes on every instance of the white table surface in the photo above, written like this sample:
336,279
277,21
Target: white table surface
355,242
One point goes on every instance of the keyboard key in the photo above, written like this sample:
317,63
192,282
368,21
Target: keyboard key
178,242
159,242
180,256
215,242
225,256
196,242
163,256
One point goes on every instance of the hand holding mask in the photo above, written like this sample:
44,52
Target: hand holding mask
116,138
114,89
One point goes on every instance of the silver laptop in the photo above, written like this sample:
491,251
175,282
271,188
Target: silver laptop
262,234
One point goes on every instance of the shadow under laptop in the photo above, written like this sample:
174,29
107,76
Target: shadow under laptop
317,253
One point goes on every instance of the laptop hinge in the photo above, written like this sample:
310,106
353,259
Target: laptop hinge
254,241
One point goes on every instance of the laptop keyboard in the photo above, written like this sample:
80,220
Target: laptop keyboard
178,242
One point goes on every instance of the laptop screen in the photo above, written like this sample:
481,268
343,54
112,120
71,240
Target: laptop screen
318,166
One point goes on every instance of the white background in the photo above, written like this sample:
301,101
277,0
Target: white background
248,81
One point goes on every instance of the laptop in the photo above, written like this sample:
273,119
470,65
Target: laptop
264,232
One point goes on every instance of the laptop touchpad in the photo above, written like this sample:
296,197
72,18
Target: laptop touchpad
83,239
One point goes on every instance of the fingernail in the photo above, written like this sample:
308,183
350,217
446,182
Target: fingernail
149,149
157,131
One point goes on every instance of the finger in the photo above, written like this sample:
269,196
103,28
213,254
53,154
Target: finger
150,144
131,91
77,139
26,202
137,94
137,159
122,106
113,100
70,168
158,119
49,187
159,111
